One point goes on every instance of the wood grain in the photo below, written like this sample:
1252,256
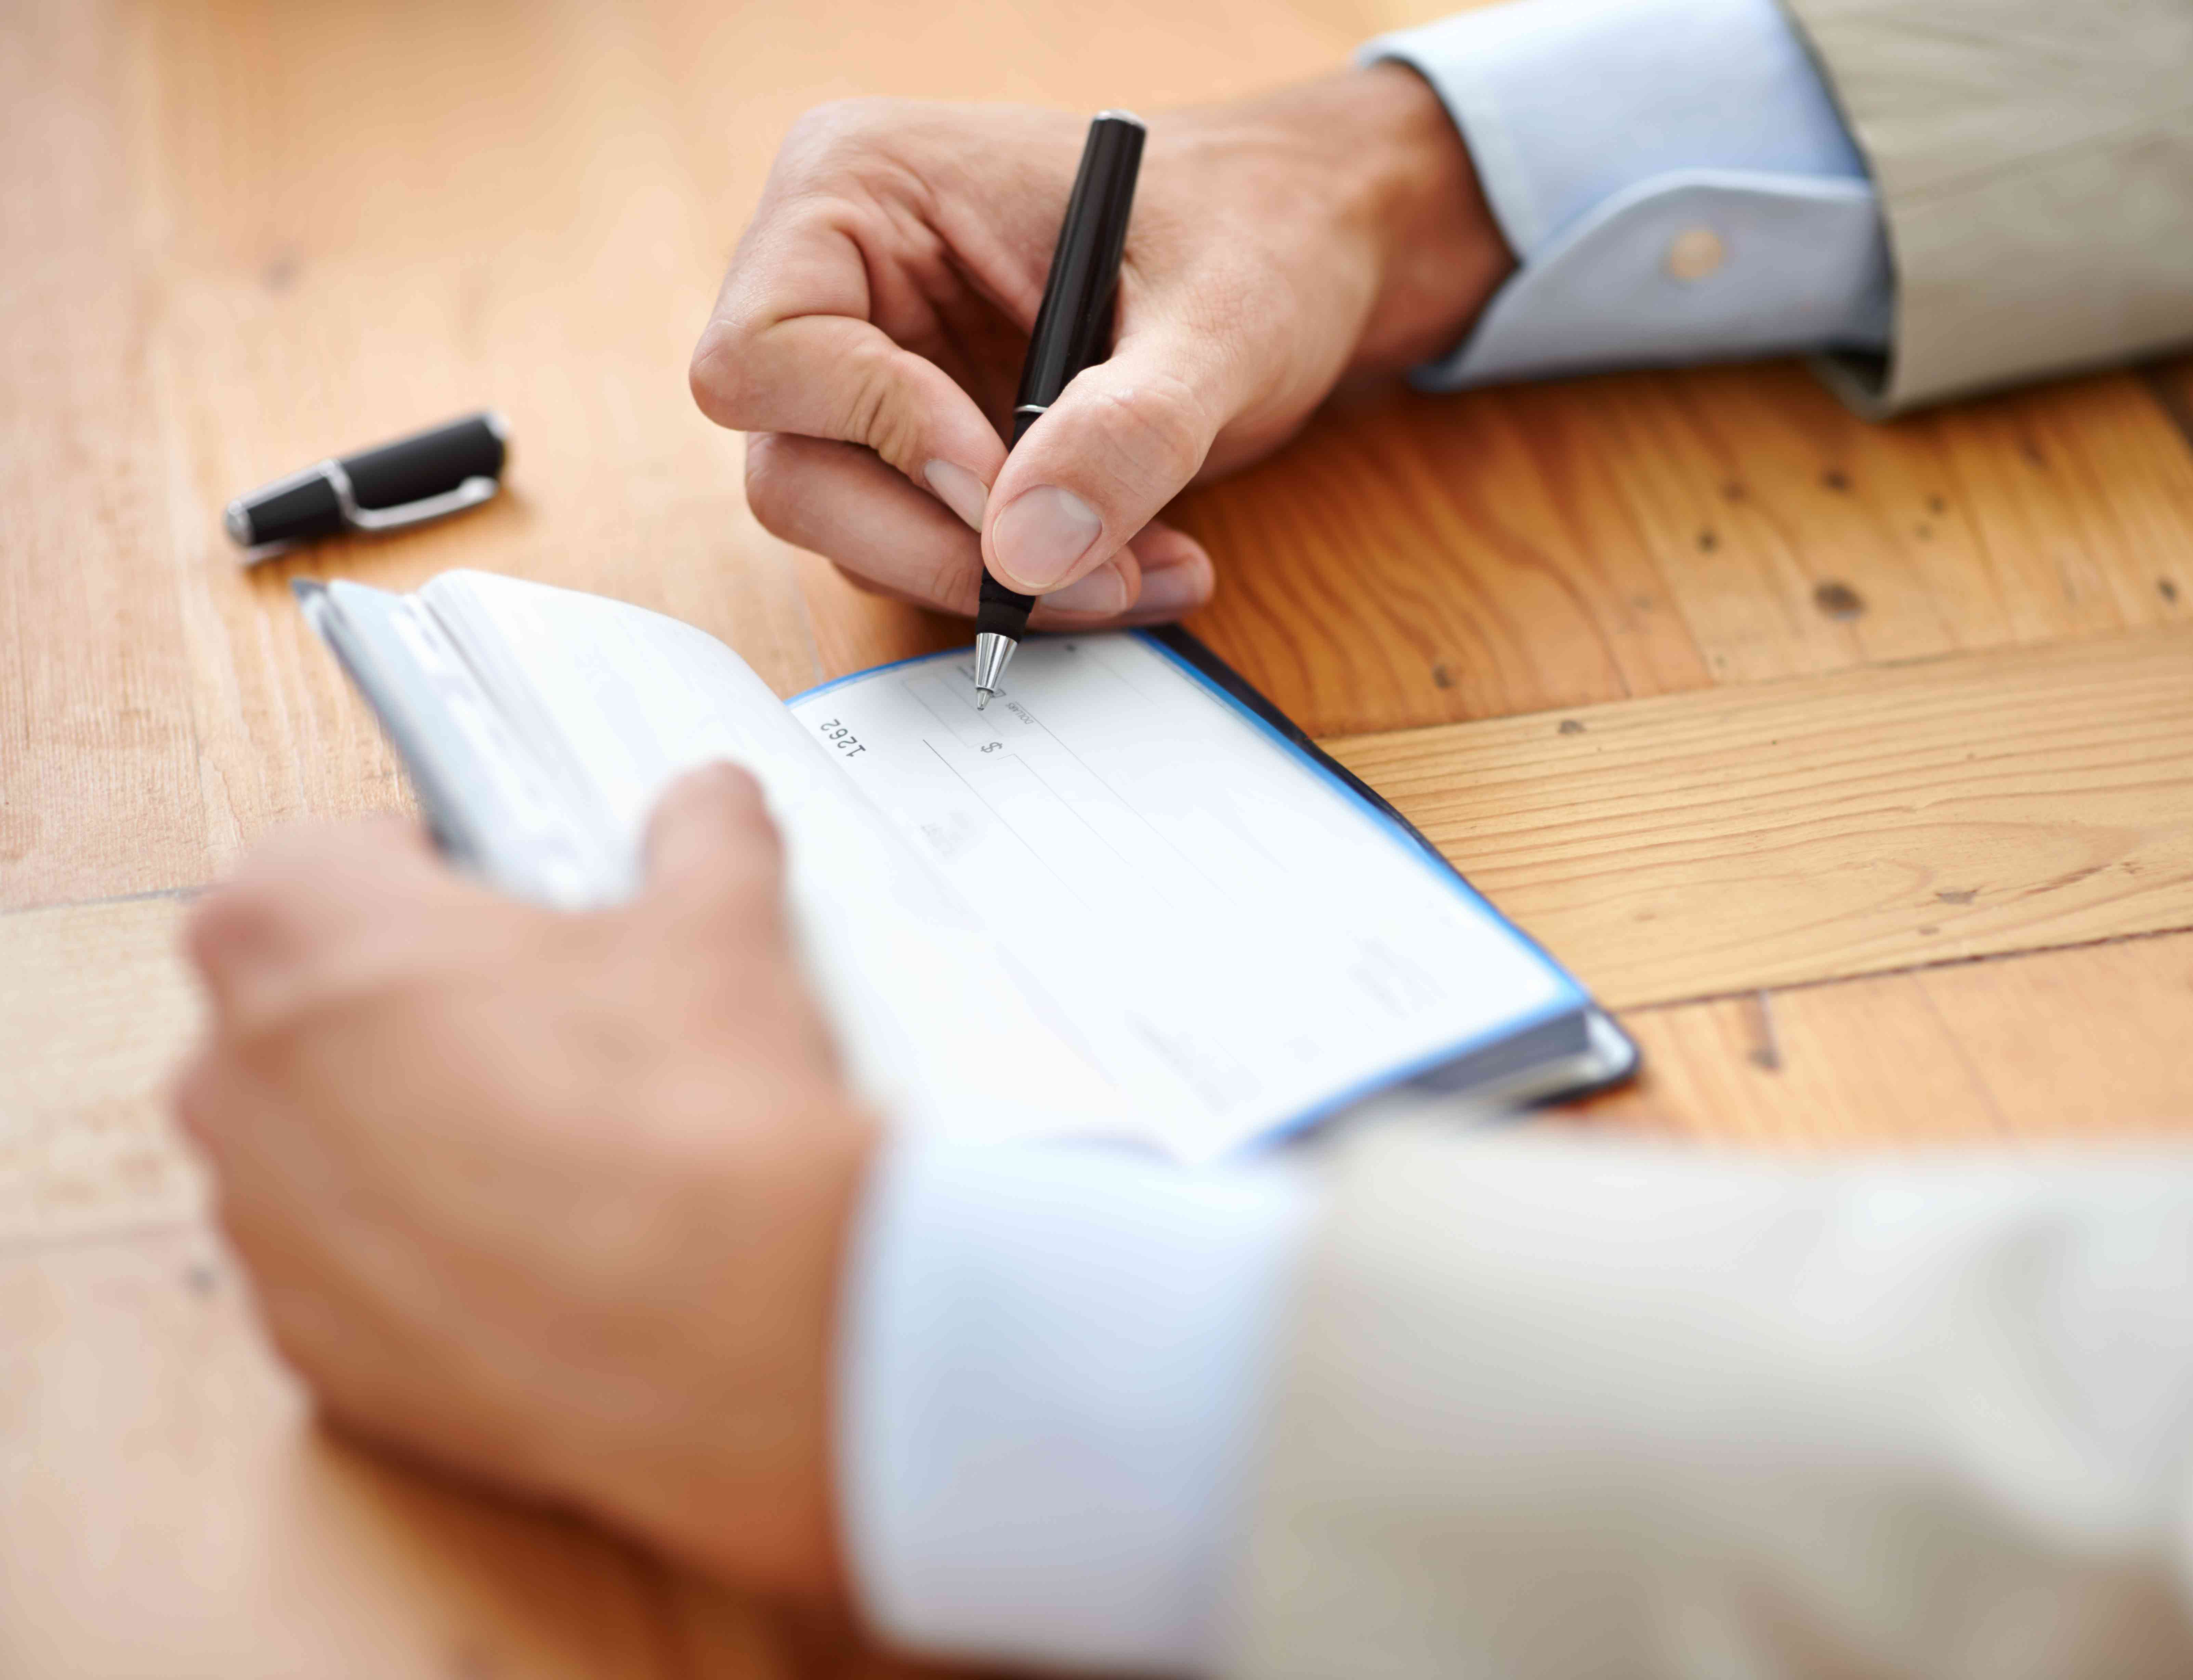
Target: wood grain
1409,559
1413,559
1859,1065
2086,1043
94,1012
354,258
1798,831
98,766
171,1509
2079,1042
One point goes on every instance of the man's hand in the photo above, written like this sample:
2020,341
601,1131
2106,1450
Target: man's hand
555,1201
871,330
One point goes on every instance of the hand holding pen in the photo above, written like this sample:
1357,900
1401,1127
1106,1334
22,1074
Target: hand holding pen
873,327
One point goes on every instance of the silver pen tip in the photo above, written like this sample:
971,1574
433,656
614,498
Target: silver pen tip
981,698
993,653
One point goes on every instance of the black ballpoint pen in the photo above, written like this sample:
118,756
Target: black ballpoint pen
1073,331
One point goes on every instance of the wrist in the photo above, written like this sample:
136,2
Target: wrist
1442,255
809,1559
734,1471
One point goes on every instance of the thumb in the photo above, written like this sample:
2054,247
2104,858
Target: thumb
713,855
1121,441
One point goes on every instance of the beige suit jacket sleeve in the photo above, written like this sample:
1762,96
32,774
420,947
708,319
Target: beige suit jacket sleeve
2035,162
1560,1409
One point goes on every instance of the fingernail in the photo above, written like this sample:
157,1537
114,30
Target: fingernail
1041,536
1104,590
1175,589
959,490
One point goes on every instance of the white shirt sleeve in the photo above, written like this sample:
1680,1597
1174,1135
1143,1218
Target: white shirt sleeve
1672,177
1050,1374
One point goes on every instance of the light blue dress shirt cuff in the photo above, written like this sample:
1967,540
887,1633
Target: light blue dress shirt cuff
1049,1385
1673,178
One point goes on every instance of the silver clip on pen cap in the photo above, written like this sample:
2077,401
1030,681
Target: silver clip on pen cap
408,482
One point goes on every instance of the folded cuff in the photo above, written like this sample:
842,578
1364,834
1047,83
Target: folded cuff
1052,1366
1672,177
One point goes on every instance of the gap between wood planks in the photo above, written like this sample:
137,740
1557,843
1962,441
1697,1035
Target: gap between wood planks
1785,834
1738,995
2048,1047
2171,385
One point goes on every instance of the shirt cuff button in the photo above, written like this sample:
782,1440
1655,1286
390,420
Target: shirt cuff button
1695,253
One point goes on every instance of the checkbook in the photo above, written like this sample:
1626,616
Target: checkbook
1128,900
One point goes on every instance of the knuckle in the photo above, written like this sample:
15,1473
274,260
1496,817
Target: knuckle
719,376
1251,291
865,585
754,864
715,831
822,131
721,926
196,1098
954,585
747,878
877,412
264,1054
1156,426
772,477
293,1324
768,839
733,793
307,895
748,890
232,923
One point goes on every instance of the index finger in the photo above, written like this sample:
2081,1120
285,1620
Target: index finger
793,346
304,890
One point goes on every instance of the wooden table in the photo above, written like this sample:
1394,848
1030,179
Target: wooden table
1854,765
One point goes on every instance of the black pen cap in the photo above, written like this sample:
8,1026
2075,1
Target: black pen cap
405,482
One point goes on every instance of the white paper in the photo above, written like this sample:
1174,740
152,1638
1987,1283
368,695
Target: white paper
1239,940
937,1033
1114,903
